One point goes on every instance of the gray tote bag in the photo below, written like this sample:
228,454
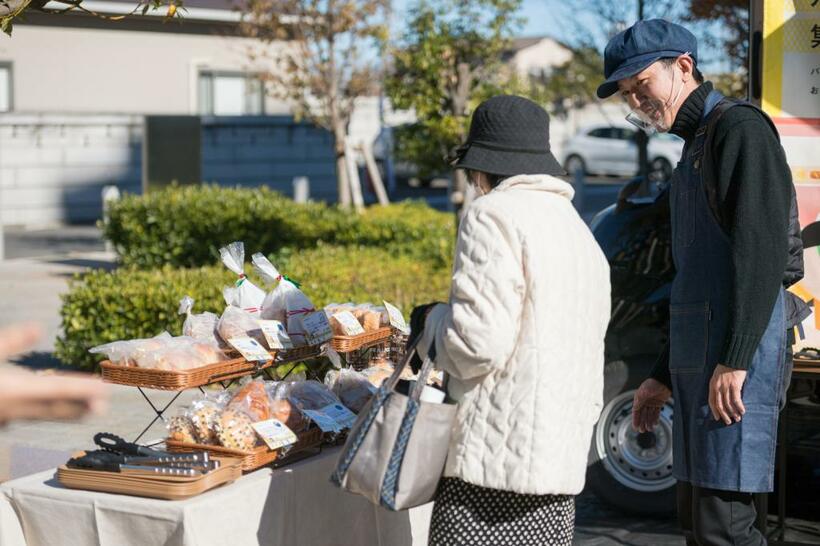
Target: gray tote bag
395,452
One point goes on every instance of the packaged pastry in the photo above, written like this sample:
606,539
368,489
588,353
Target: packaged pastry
200,326
285,303
235,322
181,353
244,294
129,352
181,429
352,388
282,409
204,417
252,399
234,431
311,395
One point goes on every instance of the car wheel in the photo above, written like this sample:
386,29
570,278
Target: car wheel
575,164
629,470
660,170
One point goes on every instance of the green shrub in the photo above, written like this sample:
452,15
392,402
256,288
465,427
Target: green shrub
128,303
185,226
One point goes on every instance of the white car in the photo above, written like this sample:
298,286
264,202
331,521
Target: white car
612,150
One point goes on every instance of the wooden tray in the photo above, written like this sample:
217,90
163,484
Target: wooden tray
346,344
169,488
173,380
260,456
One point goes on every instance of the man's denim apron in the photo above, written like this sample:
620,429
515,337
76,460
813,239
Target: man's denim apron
707,453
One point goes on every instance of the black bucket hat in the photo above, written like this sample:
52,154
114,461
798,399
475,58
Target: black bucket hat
509,135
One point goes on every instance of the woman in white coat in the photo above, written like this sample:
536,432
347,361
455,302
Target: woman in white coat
522,340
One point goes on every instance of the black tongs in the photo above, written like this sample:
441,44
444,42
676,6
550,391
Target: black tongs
117,455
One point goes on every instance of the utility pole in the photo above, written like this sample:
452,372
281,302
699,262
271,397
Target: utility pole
641,138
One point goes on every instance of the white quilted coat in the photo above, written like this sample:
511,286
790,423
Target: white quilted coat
523,339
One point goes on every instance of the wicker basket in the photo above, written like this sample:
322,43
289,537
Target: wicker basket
346,344
298,354
260,456
174,380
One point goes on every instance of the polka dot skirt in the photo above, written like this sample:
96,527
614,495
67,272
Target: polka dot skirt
468,515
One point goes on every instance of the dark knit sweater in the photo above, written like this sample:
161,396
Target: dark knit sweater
754,193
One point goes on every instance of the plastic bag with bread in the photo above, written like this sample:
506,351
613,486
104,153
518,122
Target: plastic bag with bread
285,303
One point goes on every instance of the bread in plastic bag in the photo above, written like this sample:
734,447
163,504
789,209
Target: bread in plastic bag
245,294
205,414
181,429
235,322
370,317
311,395
353,388
199,326
283,409
285,303
234,430
131,352
252,399
182,353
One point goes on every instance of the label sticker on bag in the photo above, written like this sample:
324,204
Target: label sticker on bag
274,433
396,318
317,328
350,325
343,416
322,421
332,418
250,349
275,334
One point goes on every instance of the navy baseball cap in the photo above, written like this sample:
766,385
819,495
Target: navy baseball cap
633,50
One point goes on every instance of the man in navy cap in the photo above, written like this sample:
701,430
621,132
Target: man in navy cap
736,246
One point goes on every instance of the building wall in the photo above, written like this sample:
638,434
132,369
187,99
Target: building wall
117,70
543,56
53,167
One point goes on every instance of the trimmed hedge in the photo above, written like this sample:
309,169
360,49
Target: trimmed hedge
185,226
129,303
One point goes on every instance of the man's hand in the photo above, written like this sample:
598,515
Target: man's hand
647,404
18,338
25,395
725,389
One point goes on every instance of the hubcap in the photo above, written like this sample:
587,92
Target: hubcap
640,461
574,165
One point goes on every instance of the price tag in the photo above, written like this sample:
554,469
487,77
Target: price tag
350,325
250,349
274,433
317,328
396,318
275,334
332,418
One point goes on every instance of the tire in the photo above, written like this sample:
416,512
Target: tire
573,164
660,170
631,471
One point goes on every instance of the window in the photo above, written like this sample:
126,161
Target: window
625,134
230,94
602,132
6,103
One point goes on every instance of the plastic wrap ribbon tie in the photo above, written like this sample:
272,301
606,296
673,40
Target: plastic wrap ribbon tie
303,311
291,281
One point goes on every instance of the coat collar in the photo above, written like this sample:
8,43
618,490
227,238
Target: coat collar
537,182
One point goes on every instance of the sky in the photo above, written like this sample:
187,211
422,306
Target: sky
545,18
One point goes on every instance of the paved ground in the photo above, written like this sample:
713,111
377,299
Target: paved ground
38,267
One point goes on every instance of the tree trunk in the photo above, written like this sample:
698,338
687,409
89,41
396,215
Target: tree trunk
460,100
342,182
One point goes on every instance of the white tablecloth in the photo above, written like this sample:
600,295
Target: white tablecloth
292,506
